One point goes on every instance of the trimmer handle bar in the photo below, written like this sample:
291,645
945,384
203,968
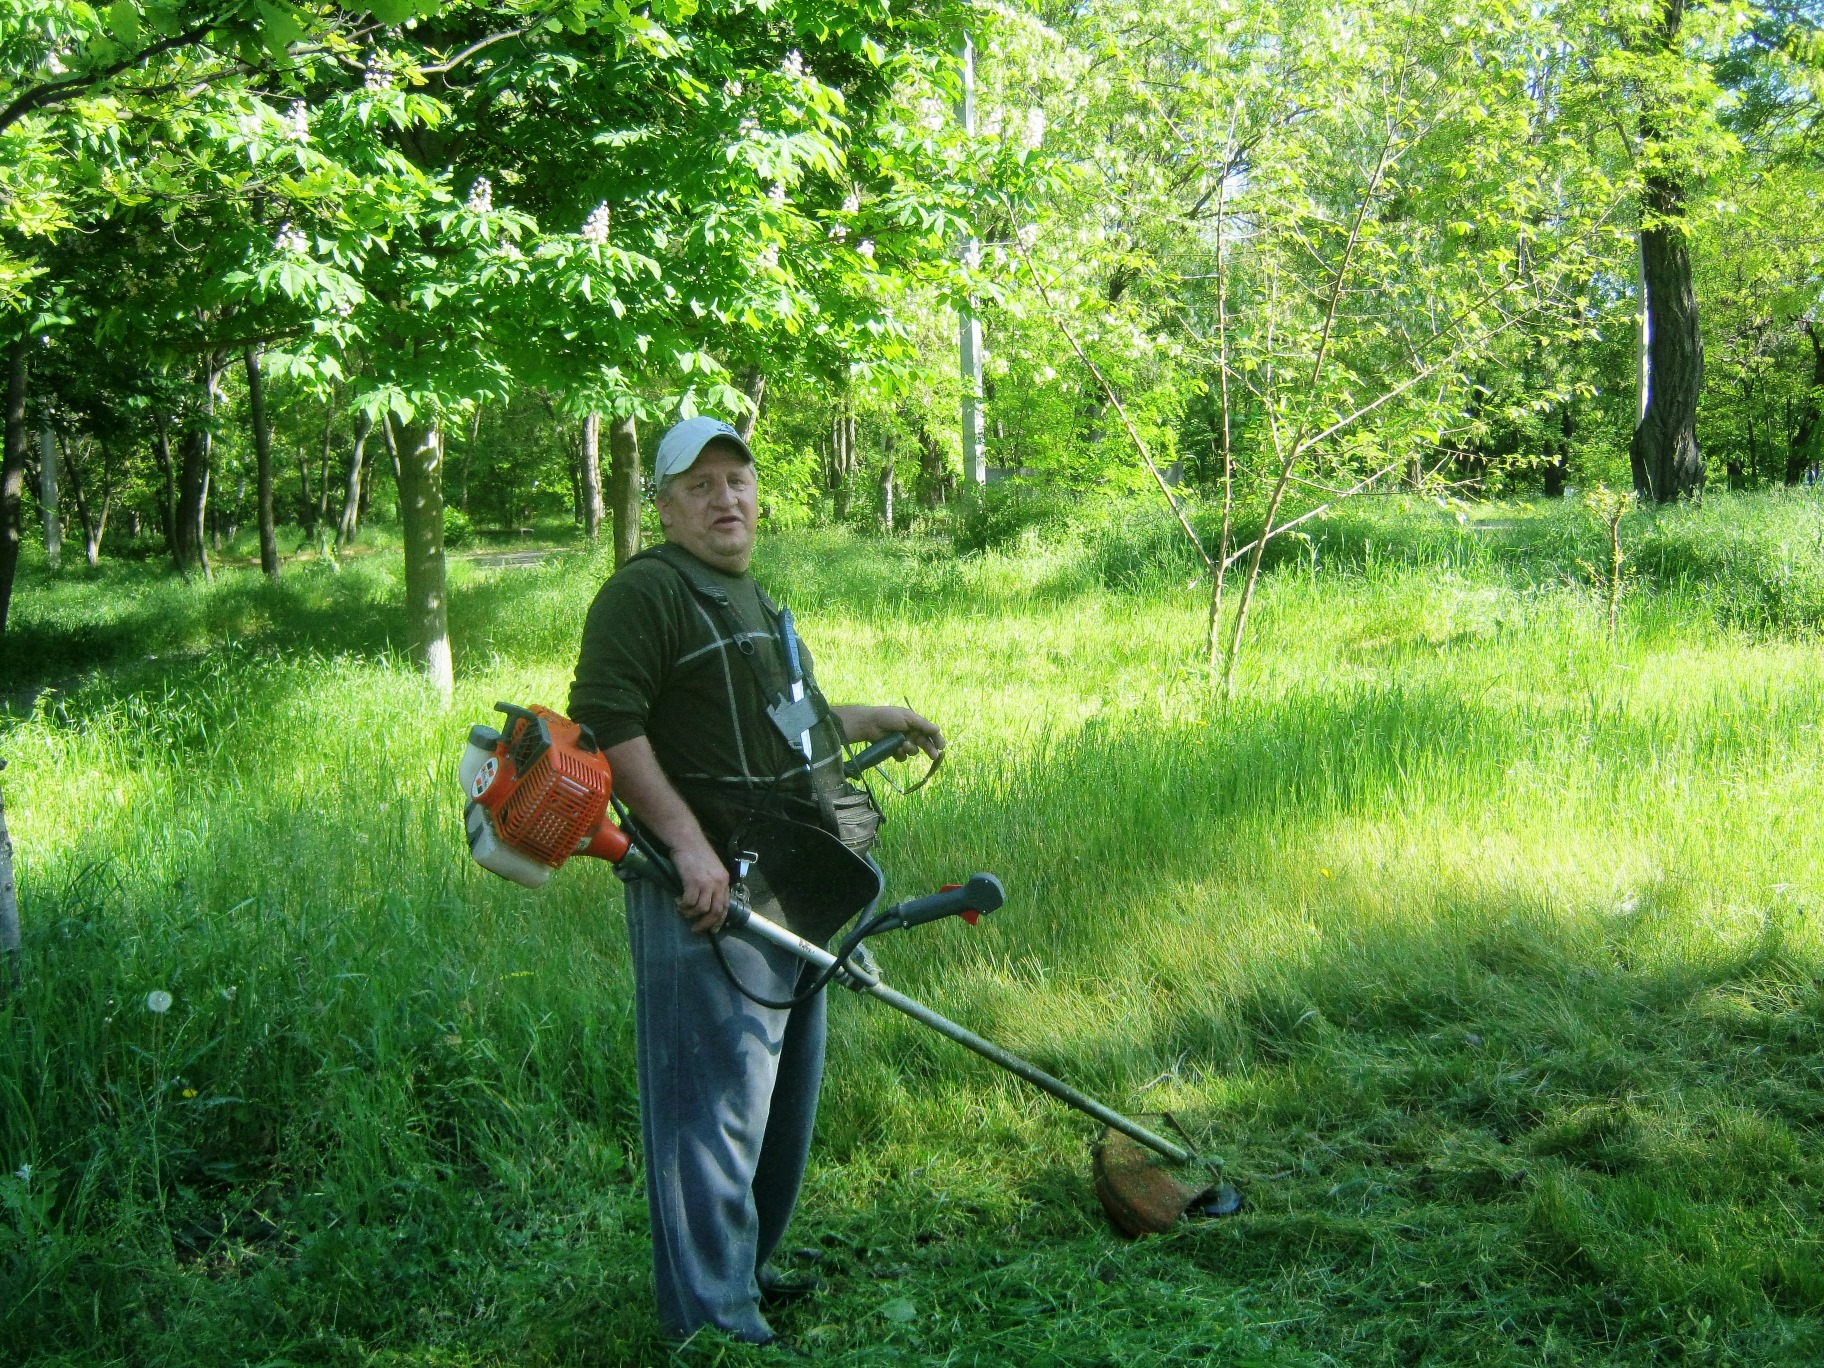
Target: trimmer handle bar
881,751
983,893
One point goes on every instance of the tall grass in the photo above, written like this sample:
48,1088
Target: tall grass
1481,950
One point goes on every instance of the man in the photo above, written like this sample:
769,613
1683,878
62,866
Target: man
685,677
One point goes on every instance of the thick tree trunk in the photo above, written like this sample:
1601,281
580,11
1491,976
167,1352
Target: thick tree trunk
352,496
753,385
262,454
592,475
420,451
193,478
47,495
12,470
624,487
1666,462
1799,455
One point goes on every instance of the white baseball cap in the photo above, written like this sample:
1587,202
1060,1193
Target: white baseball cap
680,447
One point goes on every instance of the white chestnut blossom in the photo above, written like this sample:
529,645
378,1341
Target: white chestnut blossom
297,122
595,227
793,65
769,256
374,76
851,202
865,248
481,196
289,239
839,232
777,193
1034,133
732,89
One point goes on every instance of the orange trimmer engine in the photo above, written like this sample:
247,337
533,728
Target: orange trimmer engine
538,793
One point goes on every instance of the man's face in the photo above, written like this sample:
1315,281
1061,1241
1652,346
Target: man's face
710,509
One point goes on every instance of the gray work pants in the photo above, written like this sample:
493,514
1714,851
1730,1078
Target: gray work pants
728,1095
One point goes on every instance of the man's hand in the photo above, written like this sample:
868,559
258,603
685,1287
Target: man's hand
860,723
644,788
704,901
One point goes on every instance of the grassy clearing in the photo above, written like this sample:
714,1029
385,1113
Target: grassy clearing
1486,954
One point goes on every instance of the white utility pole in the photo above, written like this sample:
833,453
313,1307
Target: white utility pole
969,327
47,495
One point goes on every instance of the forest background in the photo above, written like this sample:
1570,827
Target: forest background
440,267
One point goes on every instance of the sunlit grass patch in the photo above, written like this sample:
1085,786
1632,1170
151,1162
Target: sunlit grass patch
1485,953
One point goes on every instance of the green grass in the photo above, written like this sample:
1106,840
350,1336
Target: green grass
1486,955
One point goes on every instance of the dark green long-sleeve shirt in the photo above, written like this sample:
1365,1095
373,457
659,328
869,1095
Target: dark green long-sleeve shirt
660,660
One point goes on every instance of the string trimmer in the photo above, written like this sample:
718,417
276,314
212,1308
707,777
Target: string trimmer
542,792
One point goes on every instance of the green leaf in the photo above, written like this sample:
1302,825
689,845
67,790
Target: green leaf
900,1311
391,12
123,18
279,28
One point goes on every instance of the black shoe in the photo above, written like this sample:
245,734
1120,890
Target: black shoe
782,1289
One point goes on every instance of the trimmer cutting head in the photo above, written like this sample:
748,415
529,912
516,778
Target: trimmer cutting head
1143,1192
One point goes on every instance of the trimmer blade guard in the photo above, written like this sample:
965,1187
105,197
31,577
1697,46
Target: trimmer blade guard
1143,1193
805,879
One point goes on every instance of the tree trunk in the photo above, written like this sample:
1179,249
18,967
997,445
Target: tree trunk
323,459
47,495
352,497
624,487
1666,462
93,517
12,470
1798,445
592,475
1558,472
420,452
262,452
167,486
753,385
193,478
9,906
468,454
886,487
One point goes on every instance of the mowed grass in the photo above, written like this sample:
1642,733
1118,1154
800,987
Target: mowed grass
1485,954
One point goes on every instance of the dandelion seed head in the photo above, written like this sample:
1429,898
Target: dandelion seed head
23,1173
158,1002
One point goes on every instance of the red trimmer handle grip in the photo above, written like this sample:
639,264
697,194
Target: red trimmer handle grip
983,893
